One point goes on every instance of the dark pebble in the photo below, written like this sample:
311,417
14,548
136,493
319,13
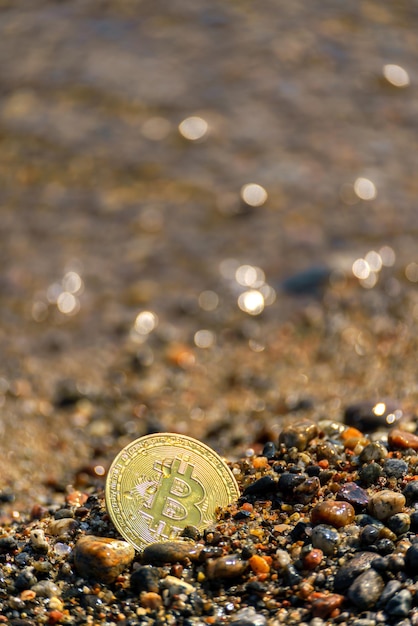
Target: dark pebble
373,452
269,450
369,416
399,523
8,544
395,467
63,513
348,572
298,435
392,587
384,546
354,495
299,531
414,521
411,559
365,591
400,604
292,577
288,482
411,492
145,578
326,538
328,451
25,580
369,534
381,564
261,487
370,474
308,282
171,552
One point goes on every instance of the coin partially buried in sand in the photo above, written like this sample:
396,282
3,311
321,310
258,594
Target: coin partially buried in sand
159,484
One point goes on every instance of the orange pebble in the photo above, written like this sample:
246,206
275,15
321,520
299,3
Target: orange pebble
259,462
259,565
351,433
323,463
247,506
313,558
54,617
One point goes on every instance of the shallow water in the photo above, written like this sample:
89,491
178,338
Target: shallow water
108,209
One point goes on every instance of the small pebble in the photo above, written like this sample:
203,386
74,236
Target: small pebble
62,527
395,467
299,434
312,559
229,566
259,565
365,591
400,439
46,589
370,474
333,512
261,487
392,587
176,586
411,559
355,495
38,541
269,450
248,617
326,538
102,558
400,604
151,600
399,523
325,605
411,492
348,572
171,552
373,452
145,578
386,503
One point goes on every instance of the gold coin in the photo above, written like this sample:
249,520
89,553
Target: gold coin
159,484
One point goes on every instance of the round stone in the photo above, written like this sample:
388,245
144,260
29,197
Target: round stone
395,467
386,503
171,552
399,523
102,558
299,434
411,559
411,492
365,591
333,512
369,474
400,439
373,452
145,578
348,572
326,538
230,566
400,604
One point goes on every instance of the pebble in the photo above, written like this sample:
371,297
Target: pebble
62,527
326,538
411,559
368,416
395,467
298,435
365,591
354,495
386,503
399,523
312,559
325,605
370,474
248,617
229,566
46,589
392,587
373,452
258,564
400,439
171,552
102,558
348,572
151,600
400,604
38,541
261,487
26,579
269,450
333,512
411,492
176,585
145,578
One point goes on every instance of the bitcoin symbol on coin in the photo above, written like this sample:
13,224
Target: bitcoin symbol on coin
161,483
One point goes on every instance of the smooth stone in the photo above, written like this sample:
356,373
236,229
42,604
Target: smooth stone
386,503
365,591
400,604
26,579
145,578
248,617
171,552
62,527
354,495
396,468
392,587
324,606
373,452
102,558
261,487
411,492
230,566
326,538
370,474
333,512
369,416
298,435
176,586
38,541
269,450
46,589
399,523
348,572
411,559
400,439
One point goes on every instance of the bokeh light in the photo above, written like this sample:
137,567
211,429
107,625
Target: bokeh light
251,301
365,189
253,194
193,128
145,322
396,75
204,338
